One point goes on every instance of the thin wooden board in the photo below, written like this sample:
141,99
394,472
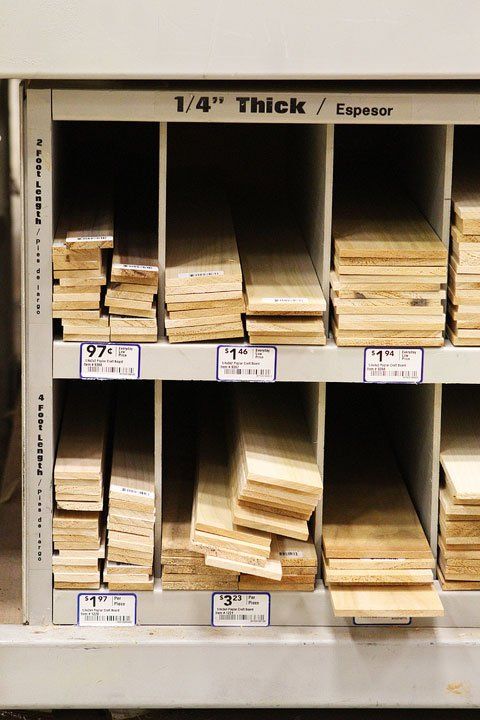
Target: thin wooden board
386,322
460,447
278,271
276,445
387,271
201,243
391,601
235,332
287,340
457,584
454,511
280,326
272,570
132,476
367,511
380,563
365,283
379,221
204,322
228,586
229,308
376,576
135,256
212,504
84,434
194,300
294,554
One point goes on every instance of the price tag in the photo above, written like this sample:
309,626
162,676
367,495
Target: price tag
382,621
107,609
393,365
109,361
239,363
240,609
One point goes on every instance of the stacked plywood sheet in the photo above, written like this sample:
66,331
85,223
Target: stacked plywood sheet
284,300
459,515
183,566
389,272
131,506
275,480
80,255
203,278
83,447
299,568
464,276
133,285
376,561
79,476
225,544
78,548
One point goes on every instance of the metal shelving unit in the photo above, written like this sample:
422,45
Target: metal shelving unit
432,662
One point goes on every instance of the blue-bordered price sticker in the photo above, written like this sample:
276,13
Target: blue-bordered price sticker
106,609
393,365
240,609
109,361
241,363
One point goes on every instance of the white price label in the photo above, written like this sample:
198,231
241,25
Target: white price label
109,361
240,609
239,363
106,609
393,365
382,621
201,274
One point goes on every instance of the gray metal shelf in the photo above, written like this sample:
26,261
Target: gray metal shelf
308,657
197,361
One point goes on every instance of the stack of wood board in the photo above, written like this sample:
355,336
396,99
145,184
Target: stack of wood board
459,516
133,285
376,558
275,480
78,546
83,447
284,300
80,255
131,506
203,277
214,533
389,272
183,567
299,568
464,277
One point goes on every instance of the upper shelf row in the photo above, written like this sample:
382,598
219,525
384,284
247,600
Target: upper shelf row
217,204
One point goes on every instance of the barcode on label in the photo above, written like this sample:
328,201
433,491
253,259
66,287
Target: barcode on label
240,609
112,370
246,371
395,365
255,363
109,360
110,618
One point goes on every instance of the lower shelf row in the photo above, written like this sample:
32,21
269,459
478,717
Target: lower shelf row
234,501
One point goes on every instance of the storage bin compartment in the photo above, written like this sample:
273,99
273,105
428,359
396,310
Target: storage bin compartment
378,504
246,202
464,271
459,508
241,482
104,486
389,265
105,249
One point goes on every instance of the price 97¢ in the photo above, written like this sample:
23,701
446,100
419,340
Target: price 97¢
95,352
